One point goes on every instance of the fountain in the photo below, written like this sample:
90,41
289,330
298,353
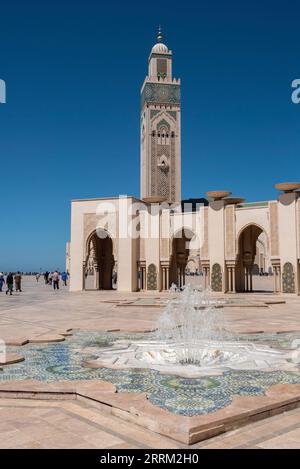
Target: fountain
191,341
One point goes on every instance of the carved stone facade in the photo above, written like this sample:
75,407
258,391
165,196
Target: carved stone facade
160,128
229,232
274,229
204,249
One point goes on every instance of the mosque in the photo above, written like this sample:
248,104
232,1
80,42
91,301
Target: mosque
147,244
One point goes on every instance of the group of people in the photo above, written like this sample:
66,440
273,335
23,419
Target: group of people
10,281
13,281
53,278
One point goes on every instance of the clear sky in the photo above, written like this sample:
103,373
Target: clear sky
70,127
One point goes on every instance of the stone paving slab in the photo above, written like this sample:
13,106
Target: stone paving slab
10,359
135,408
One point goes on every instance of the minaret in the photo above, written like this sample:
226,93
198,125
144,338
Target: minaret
160,127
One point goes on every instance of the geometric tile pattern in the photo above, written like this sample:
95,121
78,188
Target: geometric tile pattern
288,278
152,277
183,396
216,278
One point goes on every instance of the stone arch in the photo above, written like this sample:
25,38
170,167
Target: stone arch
247,243
191,266
288,278
100,266
182,251
259,227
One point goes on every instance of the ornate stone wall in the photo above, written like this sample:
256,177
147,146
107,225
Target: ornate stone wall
204,251
163,154
159,93
229,232
274,229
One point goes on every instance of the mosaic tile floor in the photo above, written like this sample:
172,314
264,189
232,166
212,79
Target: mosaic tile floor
189,397
164,301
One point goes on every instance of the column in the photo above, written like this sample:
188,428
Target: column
229,279
167,278
246,279
97,278
164,278
275,278
83,275
233,280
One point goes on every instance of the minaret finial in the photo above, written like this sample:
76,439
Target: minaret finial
159,34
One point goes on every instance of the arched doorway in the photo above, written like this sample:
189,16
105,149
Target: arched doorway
253,262
100,265
185,257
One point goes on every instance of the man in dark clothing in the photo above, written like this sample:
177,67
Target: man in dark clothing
9,283
18,278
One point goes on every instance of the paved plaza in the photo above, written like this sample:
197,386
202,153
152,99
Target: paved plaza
40,314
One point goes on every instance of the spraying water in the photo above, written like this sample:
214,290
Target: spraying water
189,319
191,341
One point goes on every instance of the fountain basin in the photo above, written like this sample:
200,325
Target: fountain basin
210,357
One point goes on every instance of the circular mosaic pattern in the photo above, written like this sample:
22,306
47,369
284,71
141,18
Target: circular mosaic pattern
189,397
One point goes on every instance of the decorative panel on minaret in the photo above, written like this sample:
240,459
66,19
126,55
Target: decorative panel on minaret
160,128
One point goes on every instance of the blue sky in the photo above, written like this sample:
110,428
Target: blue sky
70,127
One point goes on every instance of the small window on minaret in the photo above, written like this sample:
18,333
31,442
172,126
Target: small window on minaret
161,68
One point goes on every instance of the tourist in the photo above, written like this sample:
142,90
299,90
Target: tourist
9,283
64,277
49,278
115,277
46,277
18,278
55,280
37,277
2,281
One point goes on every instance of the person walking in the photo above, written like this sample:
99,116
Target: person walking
50,278
2,281
64,277
18,279
46,277
55,280
9,283
37,277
